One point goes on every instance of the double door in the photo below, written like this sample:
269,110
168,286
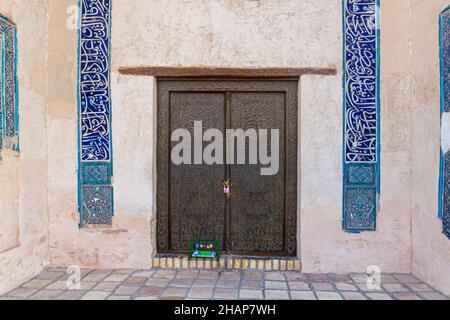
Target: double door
258,214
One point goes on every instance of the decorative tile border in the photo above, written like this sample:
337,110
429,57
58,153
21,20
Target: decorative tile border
8,85
227,263
94,114
361,115
444,186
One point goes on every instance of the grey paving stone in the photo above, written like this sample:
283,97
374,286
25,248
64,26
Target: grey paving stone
275,285
222,293
46,295
276,294
119,297
342,286
200,293
364,287
432,296
405,296
204,274
228,283
174,293
388,279
116,277
252,275
229,275
85,285
322,286
22,293
303,295
167,274
298,285
419,287
125,271
328,295
51,275
150,291
339,277
94,277
295,276
147,298
57,285
143,273
274,276
351,295
250,294
187,274
378,296
37,284
317,277
359,277
251,284
106,286
95,295
395,287
204,283
182,282
135,280
407,278
71,295
126,290
155,282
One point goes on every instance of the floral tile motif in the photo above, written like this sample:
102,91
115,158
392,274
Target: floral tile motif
445,108
95,154
361,110
8,85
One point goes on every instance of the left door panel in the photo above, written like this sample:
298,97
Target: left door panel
196,199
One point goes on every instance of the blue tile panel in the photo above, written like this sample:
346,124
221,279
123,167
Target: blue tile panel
8,84
445,107
361,115
95,152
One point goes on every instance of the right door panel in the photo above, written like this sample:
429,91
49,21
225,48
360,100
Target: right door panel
257,209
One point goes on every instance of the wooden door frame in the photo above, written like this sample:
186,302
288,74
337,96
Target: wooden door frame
165,85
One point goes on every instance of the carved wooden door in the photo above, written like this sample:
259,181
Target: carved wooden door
260,217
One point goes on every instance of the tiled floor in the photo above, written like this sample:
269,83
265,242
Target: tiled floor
203,284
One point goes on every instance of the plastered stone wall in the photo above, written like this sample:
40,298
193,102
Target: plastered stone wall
324,246
23,187
431,249
231,34
127,244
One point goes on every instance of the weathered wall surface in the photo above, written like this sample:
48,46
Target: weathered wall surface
325,247
128,243
23,187
231,34
431,249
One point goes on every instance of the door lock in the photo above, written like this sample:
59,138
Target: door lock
227,184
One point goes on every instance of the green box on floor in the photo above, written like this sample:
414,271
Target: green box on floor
209,249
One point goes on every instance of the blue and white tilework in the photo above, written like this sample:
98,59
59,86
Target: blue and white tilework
361,112
8,85
95,143
444,194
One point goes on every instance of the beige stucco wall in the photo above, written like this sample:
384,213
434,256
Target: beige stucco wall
127,244
23,187
324,246
431,249
231,34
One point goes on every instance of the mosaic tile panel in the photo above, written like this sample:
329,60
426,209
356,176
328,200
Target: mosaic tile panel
445,108
361,115
95,152
8,85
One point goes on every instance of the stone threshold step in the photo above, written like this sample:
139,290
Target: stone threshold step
227,263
